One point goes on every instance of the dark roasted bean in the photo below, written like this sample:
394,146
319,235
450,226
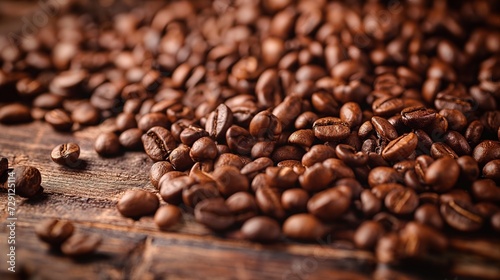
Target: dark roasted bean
59,120
158,143
401,147
219,121
167,216
66,154
158,169
137,203
330,204
130,139
14,113
54,232
461,215
27,181
261,229
331,129
243,206
303,227
214,213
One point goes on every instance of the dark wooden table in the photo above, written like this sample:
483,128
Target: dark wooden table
137,250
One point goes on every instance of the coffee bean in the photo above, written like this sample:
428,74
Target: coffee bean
81,245
388,106
486,151
214,214
461,216
199,192
295,200
388,248
191,134
456,119
473,132
349,155
219,121
269,202
203,149
370,204
27,181
158,169
107,144
461,195
265,126
59,120
48,101
351,113
130,139
267,88
14,113
150,120
428,214
171,190
439,150
331,129
340,169
442,174
137,203
261,229
167,217
239,140
230,180
318,153
495,222
329,204
367,235
491,170
384,128
485,190
158,143
401,201
125,121
304,138
66,154
316,178
304,227
86,114
54,232
417,117
243,206
324,104
457,143
401,147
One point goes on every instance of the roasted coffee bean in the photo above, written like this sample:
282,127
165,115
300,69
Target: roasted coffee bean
219,121
294,200
265,126
27,181
384,128
48,101
401,201
137,203
59,120
81,245
287,152
417,117
86,114
14,113
461,216
125,121
439,150
258,165
214,214
304,227
304,138
388,248
167,216
269,202
261,229
456,119
485,190
66,154
230,180
401,147
387,106
456,194
180,158
474,132
428,214
130,139
351,113
418,240
171,190
239,140
150,120
370,204
349,155
54,232
306,120
199,192
324,104
341,170
203,149
368,234
329,204
331,129
107,144
457,143
158,169
191,134
442,174
317,178
486,151
262,149
243,206
318,153
158,143
382,175
491,170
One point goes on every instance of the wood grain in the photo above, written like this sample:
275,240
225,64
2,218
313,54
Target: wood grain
132,249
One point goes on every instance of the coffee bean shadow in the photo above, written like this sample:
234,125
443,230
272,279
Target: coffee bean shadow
39,198
79,165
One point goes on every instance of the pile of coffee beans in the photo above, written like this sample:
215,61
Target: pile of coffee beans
59,236
286,119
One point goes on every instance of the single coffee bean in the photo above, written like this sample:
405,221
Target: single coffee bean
158,143
81,245
199,192
54,232
243,206
281,177
27,180
384,128
456,194
48,101
329,204
401,147
107,144
191,134
214,214
340,169
388,249
130,139
180,158
417,117
318,153
229,159
66,154
262,149
219,121
456,119
14,113
304,138
428,214
304,227
261,229
491,170
401,201
203,149
158,169
239,140
258,165
230,180
351,113
86,114
171,190
474,132
370,204
317,178
439,150
486,151
125,121
137,203
167,217
457,143
387,106
331,129
348,155
382,175
368,234
469,170
265,126
59,120
269,202
461,216
295,200
485,190
151,120
442,174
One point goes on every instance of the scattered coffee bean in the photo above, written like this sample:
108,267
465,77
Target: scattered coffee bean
214,213
261,229
461,215
107,144
81,245
14,113
167,216
158,143
54,232
137,203
66,154
304,227
27,181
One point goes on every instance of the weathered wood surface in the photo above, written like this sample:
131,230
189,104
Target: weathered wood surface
137,250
